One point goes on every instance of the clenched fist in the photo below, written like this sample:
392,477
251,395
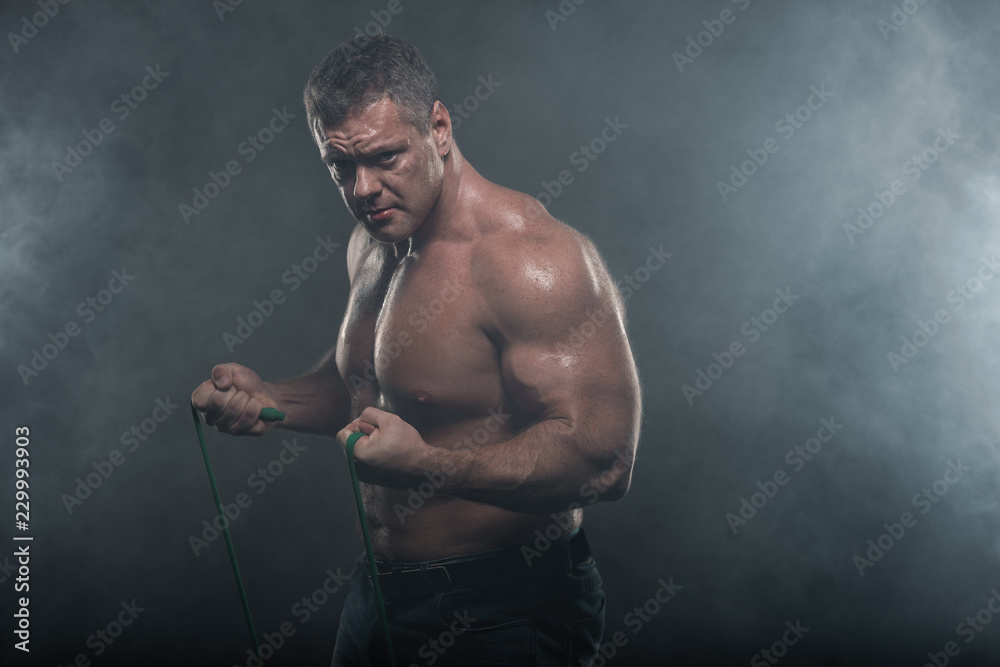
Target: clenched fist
232,400
392,453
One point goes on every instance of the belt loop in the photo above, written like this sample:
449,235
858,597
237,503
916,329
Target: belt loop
567,554
579,547
439,579
425,579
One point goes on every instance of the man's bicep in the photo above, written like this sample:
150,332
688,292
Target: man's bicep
566,354
579,370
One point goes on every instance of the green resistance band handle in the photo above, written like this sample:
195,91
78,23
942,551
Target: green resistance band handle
272,415
225,531
352,440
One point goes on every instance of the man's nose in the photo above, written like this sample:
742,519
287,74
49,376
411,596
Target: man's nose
366,184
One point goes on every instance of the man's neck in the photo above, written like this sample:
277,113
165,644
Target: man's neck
445,219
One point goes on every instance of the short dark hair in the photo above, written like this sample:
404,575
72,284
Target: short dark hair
365,69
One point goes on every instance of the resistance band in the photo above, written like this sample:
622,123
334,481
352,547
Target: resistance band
225,528
352,440
273,414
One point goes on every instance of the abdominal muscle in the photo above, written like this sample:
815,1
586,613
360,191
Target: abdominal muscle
422,522
445,526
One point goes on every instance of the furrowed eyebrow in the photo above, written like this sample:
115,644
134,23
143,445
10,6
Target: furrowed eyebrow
328,153
332,154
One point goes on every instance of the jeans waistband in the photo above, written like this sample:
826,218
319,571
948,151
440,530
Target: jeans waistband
483,569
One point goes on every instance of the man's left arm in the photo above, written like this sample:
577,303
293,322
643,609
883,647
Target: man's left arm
559,323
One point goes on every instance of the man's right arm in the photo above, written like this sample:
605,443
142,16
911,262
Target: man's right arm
315,402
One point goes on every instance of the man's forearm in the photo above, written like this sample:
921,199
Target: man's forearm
315,402
543,469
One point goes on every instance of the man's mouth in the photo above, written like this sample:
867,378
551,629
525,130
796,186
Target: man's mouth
378,214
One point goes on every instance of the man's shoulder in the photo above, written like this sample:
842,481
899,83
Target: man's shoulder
522,231
530,263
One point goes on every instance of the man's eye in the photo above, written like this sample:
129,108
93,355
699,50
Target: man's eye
341,167
386,156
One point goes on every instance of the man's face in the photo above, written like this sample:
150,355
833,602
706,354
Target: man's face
389,174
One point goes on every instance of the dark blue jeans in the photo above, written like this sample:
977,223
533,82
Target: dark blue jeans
555,619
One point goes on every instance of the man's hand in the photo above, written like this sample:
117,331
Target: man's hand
391,454
232,400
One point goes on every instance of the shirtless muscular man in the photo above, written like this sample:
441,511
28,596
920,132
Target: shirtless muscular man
461,358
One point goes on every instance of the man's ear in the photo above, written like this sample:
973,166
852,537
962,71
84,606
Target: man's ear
441,128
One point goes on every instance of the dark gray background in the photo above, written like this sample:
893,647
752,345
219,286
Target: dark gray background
657,184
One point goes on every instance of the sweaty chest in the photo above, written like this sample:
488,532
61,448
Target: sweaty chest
411,343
